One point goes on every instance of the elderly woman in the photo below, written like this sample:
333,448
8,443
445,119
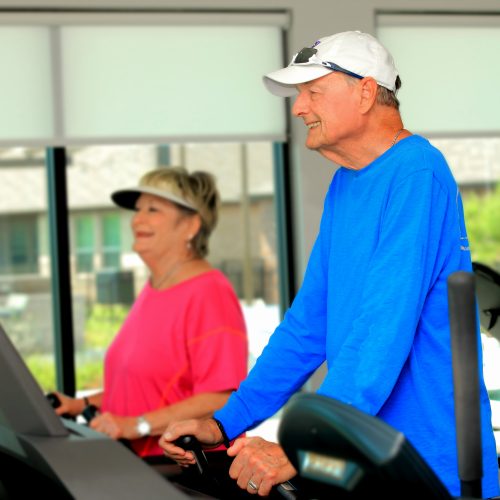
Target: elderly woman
183,347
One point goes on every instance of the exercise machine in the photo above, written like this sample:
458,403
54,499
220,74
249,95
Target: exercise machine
58,457
343,453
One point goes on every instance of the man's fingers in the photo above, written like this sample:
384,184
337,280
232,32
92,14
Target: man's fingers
237,446
265,487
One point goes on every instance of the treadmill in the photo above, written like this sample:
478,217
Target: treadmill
339,451
59,458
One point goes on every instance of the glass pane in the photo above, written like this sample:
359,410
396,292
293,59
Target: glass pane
84,231
25,281
84,248
159,71
457,51
476,166
111,237
243,244
111,230
19,247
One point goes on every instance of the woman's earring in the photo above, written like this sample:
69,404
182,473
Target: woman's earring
188,243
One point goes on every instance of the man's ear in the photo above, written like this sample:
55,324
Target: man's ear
368,94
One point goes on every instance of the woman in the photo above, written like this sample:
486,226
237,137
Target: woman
183,347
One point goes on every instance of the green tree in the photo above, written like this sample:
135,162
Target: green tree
482,216
101,326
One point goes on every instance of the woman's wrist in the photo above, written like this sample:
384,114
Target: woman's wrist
85,402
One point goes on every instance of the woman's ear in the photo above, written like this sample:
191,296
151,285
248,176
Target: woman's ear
193,225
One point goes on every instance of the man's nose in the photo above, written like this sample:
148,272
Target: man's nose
300,105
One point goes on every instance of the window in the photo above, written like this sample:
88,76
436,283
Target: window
25,277
86,65
85,243
462,121
19,245
111,241
243,245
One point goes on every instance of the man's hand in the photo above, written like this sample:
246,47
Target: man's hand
205,431
259,465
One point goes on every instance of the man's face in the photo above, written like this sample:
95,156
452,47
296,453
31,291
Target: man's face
327,106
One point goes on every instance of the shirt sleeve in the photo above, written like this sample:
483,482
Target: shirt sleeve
217,340
295,350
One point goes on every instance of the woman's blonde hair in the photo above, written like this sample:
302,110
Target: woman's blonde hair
198,189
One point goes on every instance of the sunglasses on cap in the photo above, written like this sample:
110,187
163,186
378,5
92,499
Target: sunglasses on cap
308,56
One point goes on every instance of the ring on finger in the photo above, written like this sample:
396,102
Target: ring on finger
252,485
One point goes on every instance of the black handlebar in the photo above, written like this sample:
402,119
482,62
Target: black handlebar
54,401
190,443
88,413
463,327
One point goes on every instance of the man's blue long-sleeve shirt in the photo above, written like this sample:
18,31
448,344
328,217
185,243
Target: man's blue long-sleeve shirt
373,304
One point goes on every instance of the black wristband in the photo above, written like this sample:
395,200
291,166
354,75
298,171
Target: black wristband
225,439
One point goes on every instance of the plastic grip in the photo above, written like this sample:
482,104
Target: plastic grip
54,401
190,443
464,341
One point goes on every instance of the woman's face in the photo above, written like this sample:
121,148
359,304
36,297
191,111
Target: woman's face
159,228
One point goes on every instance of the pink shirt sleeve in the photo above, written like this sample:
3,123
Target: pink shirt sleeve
216,341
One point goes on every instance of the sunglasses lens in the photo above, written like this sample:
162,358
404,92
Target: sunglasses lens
304,55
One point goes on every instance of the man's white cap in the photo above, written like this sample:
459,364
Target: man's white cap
357,52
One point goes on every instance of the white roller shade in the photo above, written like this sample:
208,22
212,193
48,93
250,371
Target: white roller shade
449,69
26,96
93,78
173,81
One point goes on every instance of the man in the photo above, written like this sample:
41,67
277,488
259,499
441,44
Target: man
373,302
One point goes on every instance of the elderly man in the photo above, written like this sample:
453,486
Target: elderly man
373,302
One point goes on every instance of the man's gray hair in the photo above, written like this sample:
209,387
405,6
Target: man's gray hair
386,97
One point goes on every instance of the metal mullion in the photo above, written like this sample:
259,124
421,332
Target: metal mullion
60,269
284,229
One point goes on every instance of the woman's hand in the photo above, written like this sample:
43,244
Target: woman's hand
69,406
259,465
114,426
205,431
